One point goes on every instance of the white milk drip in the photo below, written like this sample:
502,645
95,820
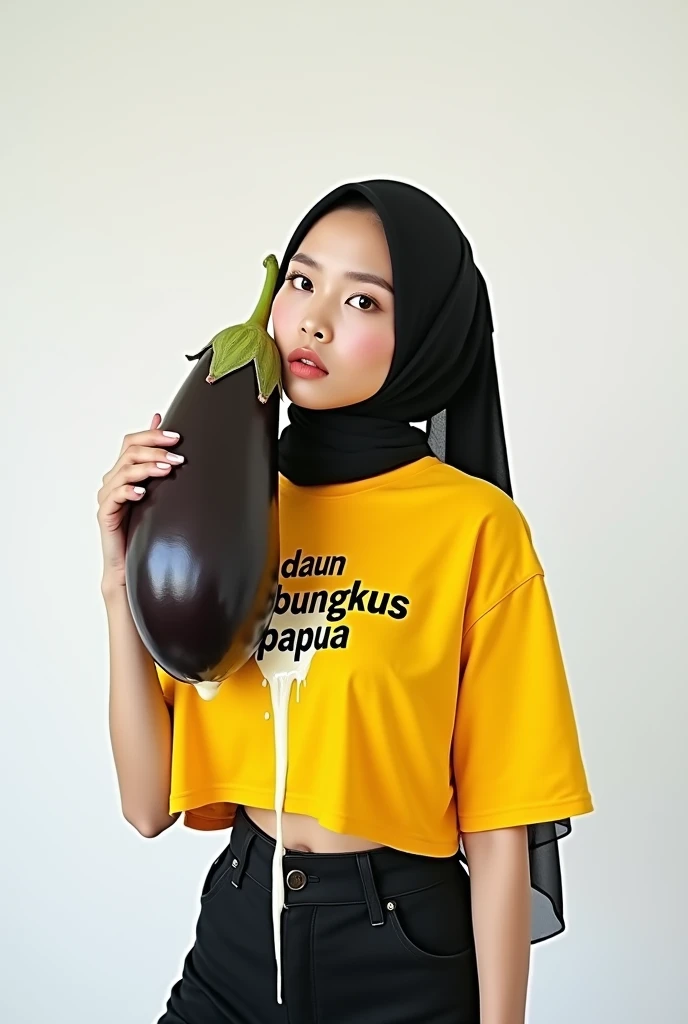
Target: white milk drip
207,690
280,672
280,691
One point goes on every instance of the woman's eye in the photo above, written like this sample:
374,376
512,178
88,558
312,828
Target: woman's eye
366,298
301,277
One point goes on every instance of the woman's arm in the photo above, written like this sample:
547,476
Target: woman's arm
501,910
140,725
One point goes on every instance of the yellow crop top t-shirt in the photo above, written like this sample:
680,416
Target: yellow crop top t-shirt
430,693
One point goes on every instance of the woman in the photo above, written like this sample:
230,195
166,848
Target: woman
431,704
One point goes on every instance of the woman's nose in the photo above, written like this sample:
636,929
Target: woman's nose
318,331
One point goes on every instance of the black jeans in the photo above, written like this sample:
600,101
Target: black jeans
382,937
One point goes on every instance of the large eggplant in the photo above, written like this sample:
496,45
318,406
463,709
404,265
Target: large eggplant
202,556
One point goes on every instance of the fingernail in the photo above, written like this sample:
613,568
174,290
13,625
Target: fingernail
170,433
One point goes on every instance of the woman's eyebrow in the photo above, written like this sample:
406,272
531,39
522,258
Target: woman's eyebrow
354,275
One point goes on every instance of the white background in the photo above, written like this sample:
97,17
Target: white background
153,154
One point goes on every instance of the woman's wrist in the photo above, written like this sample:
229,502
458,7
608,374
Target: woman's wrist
114,594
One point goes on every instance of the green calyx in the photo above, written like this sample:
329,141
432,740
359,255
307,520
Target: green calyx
236,346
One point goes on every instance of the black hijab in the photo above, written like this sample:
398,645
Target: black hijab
443,371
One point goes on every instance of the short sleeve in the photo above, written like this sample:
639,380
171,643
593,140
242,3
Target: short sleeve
167,684
516,753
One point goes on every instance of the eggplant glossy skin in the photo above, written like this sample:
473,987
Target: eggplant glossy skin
202,557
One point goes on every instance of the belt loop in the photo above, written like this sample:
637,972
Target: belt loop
369,888
240,864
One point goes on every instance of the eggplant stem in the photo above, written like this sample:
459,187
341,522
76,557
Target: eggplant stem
261,314
235,347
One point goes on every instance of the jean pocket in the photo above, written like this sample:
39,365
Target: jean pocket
218,873
434,924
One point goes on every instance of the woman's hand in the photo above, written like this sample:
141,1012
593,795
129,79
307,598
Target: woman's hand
138,460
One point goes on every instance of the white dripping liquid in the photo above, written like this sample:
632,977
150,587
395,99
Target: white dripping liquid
280,672
207,690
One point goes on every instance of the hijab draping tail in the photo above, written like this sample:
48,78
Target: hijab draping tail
469,432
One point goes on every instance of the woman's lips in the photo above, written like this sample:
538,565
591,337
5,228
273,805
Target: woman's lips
304,370
303,362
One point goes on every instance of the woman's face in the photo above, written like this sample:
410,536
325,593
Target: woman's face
329,306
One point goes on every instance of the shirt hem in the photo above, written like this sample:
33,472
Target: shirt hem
192,802
528,814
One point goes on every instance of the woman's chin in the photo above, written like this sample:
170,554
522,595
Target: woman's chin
306,396
315,394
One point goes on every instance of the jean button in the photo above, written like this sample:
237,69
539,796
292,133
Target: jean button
296,880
